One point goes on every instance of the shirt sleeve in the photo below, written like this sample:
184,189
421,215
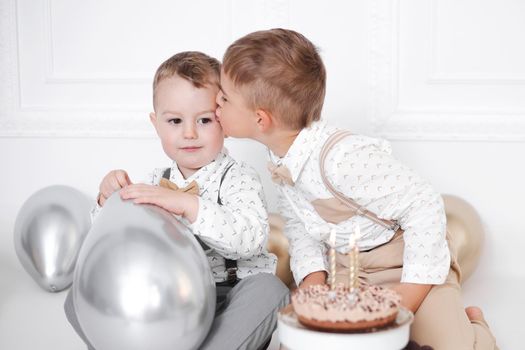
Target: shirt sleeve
95,210
237,229
307,254
364,169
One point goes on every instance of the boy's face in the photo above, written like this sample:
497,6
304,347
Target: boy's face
236,118
185,121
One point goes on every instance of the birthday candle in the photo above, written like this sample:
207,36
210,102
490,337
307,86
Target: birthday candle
331,254
354,260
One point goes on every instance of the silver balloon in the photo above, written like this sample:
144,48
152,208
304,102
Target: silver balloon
49,231
142,281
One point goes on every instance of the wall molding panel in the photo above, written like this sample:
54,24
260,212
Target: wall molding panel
68,71
412,97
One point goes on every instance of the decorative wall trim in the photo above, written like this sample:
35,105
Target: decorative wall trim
20,119
52,77
8,61
16,121
437,77
390,121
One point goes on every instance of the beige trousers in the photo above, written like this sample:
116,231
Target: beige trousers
440,321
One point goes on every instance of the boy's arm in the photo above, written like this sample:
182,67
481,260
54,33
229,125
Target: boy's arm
307,254
412,295
237,229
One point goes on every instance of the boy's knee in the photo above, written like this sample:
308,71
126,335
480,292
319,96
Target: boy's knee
266,286
273,284
457,337
279,291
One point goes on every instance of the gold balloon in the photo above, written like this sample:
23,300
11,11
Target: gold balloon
466,233
463,223
278,245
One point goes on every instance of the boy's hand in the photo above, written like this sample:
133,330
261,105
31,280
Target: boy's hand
113,181
317,277
175,202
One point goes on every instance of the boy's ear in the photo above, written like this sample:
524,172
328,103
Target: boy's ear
153,118
264,120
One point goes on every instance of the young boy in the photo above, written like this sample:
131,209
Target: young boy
272,90
220,200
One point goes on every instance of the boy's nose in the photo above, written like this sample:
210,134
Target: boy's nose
190,132
218,98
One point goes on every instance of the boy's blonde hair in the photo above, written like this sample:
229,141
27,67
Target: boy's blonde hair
280,71
196,67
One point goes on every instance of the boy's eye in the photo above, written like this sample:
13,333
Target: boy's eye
175,121
204,120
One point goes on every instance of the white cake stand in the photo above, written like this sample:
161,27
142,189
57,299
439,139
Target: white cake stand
295,336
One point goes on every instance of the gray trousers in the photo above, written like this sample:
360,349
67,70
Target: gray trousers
246,322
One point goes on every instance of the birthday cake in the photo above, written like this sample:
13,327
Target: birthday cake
340,310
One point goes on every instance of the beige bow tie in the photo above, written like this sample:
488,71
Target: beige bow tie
192,188
280,174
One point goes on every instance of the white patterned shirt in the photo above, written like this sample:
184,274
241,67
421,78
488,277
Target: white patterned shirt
237,229
362,168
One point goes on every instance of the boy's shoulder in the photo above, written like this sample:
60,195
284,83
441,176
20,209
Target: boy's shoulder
355,144
322,132
356,150
238,176
240,168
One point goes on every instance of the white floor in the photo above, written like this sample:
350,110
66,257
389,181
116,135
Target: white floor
31,318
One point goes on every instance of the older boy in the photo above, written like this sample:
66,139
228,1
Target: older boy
220,199
272,90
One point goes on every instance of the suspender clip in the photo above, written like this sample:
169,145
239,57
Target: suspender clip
231,274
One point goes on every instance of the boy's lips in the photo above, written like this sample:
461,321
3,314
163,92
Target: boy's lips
191,148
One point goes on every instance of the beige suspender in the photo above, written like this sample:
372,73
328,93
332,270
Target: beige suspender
359,210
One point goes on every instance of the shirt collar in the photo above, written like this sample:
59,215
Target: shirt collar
301,149
205,175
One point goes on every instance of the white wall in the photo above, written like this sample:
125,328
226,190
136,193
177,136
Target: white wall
444,80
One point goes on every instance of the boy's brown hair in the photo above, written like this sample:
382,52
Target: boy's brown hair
280,71
196,67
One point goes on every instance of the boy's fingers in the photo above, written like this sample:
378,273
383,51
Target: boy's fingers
108,187
148,200
132,192
122,179
105,191
114,183
141,200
